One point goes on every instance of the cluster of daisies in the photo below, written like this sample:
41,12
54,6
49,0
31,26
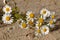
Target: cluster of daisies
7,17
42,24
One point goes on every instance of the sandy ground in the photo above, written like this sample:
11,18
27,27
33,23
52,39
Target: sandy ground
14,32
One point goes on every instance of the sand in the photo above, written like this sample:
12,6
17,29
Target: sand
14,32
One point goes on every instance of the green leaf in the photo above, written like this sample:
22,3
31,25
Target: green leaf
13,9
17,16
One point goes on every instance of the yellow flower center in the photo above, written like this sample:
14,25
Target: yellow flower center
44,12
53,16
38,31
51,22
24,25
31,15
41,20
30,22
7,9
44,29
39,25
8,18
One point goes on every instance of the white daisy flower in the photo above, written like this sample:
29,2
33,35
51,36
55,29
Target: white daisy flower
38,32
6,18
53,15
51,23
45,13
7,9
30,22
45,30
40,20
23,25
38,25
30,18
30,14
